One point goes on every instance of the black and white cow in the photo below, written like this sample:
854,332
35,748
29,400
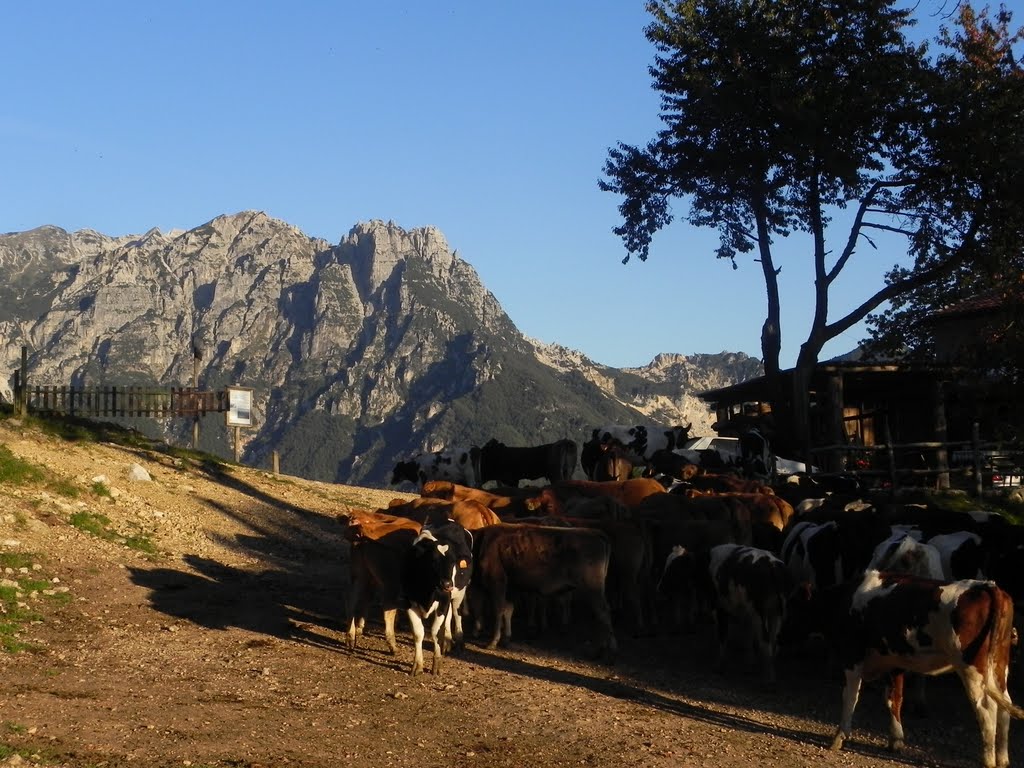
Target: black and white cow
903,552
457,465
889,624
636,444
435,574
751,588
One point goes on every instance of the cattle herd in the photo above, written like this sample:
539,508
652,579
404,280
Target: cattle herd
889,588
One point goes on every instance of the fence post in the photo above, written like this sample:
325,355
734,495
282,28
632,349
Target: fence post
891,454
23,400
276,462
976,455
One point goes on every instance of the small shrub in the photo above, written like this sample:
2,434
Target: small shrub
99,525
18,471
15,560
13,600
99,488
63,488
142,543
93,523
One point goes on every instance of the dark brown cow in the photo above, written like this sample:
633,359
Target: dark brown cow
629,585
507,465
541,560
889,624
672,506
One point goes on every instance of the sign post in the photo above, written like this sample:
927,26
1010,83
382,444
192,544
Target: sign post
239,414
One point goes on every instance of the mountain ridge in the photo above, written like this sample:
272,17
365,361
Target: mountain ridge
382,345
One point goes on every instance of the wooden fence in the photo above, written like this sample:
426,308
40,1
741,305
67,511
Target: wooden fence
120,401
998,463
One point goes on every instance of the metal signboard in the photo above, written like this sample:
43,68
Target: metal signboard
239,413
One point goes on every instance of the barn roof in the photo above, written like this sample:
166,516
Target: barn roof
859,378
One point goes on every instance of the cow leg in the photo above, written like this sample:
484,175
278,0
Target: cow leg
851,692
721,638
1002,745
417,641
500,604
769,648
454,641
994,731
918,700
607,647
503,628
437,636
357,608
389,629
894,700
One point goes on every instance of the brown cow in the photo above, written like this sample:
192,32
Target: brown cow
468,513
542,560
892,623
506,506
628,492
629,584
361,524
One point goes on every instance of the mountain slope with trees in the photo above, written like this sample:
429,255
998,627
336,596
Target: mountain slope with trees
360,353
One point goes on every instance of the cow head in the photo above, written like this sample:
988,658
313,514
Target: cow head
405,470
445,557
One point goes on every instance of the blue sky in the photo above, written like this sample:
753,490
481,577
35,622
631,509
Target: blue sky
490,121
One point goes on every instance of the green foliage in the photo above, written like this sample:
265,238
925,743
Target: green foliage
14,614
316,444
99,488
18,471
779,114
770,110
98,525
16,560
980,82
91,522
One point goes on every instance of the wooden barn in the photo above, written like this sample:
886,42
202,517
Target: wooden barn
854,404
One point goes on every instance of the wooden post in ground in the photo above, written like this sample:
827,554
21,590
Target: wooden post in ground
23,399
275,459
976,454
238,444
893,480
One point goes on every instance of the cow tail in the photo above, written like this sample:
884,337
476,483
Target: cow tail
1000,626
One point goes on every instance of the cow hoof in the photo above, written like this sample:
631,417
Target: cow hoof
837,742
896,745
416,671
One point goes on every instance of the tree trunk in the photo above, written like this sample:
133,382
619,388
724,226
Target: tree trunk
800,400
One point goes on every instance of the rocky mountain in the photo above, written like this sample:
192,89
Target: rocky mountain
359,353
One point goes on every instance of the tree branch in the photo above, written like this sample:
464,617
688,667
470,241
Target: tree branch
851,243
915,280
886,228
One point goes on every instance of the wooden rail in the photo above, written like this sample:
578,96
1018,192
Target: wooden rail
123,401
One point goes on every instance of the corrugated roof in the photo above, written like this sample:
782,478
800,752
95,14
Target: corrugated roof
988,301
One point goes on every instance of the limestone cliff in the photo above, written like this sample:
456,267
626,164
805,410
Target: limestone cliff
359,353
